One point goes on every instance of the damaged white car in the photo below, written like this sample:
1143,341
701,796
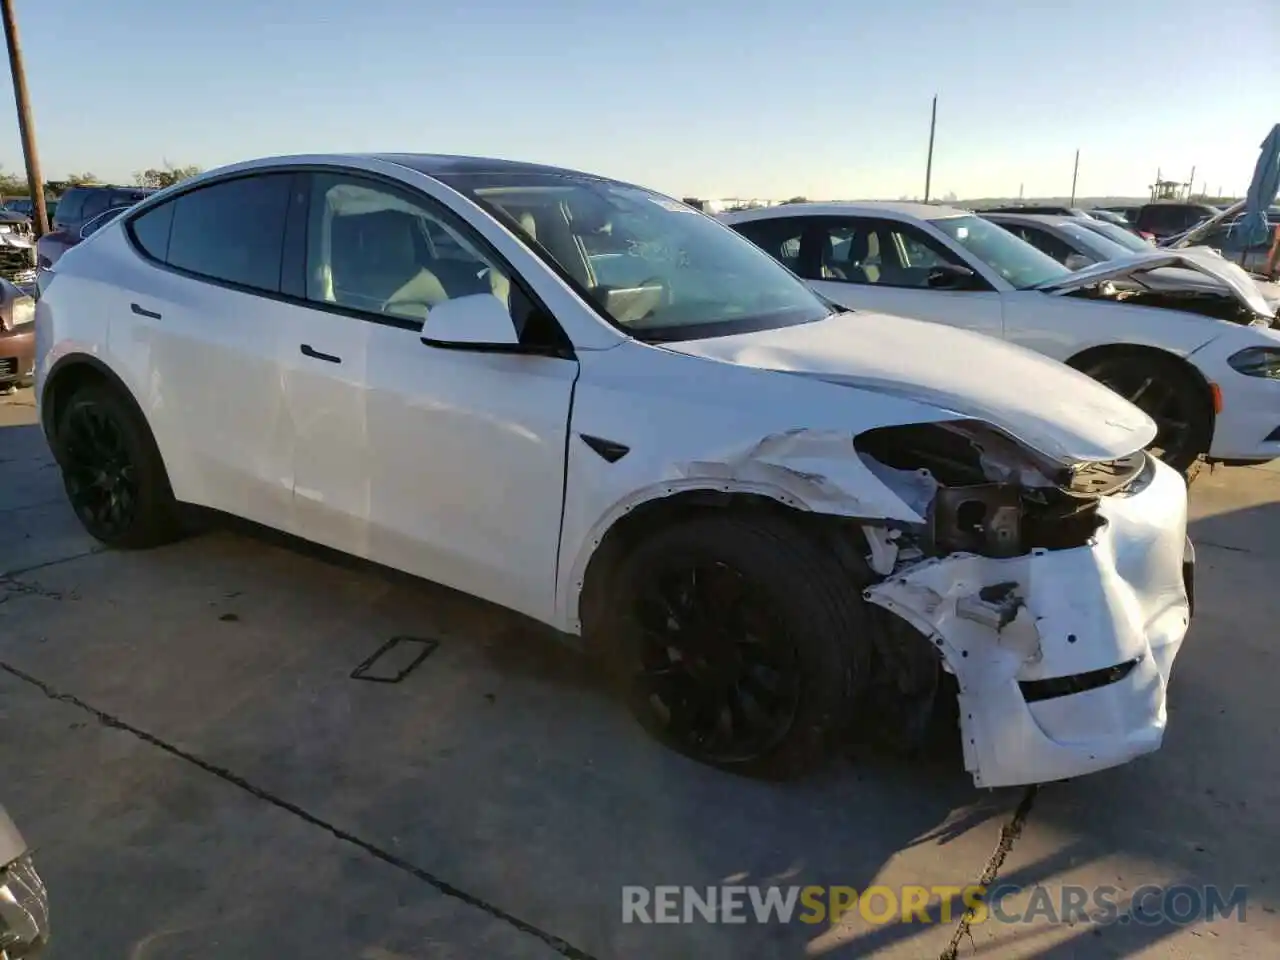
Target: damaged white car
592,404
1200,357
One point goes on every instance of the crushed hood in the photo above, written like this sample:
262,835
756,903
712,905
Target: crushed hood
1207,264
1056,410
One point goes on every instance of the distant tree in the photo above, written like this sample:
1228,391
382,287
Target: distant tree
165,176
797,200
950,197
79,179
12,185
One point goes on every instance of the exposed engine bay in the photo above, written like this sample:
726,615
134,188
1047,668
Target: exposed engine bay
1208,303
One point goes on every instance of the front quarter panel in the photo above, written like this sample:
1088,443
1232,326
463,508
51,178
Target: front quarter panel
1063,326
690,423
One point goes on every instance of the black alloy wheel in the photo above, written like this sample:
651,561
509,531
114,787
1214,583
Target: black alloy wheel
739,640
716,667
112,471
99,473
1165,393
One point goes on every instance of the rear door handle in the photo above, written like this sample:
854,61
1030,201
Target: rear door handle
309,351
143,312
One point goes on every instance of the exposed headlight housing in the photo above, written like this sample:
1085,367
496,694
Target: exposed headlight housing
990,494
1257,362
24,911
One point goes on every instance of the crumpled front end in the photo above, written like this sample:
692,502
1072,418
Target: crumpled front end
1061,653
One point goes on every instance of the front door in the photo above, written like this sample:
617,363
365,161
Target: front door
884,265
448,464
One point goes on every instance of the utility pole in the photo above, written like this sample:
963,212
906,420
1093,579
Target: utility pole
928,167
1074,174
26,128
1191,182
1020,186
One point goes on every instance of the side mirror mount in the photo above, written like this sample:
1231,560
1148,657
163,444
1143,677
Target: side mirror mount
951,277
477,322
1077,261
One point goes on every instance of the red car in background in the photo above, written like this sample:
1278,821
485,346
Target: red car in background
81,211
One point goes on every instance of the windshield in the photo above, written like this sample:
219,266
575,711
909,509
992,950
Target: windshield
1125,239
1099,244
1021,264
656,267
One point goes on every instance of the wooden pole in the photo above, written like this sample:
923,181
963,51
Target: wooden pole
26,127
928,167
1074,174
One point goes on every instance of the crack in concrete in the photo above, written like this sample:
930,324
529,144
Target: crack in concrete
10,587
1008,834
562,947
50,563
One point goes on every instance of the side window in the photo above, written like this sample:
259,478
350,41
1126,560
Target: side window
881,252
151,231
374,248
232,231
849,250
1046,243
778,238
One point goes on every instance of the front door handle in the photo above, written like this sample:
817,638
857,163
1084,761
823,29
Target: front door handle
309,351
143,312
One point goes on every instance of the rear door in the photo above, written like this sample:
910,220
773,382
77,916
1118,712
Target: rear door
203,323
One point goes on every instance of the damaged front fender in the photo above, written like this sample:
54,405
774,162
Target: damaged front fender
1062,657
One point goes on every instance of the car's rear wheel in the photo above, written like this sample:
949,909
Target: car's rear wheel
1164,390
738,642
112,471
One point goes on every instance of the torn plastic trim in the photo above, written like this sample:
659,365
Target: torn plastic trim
1057,616
816,470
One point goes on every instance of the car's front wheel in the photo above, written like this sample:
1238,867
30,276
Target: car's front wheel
112,471
1163,389
739,642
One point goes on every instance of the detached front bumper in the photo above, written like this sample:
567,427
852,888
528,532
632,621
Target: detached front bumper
1062,657
24,904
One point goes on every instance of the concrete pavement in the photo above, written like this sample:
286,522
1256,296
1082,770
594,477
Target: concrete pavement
186,746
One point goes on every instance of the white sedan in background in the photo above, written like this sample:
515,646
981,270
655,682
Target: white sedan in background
1204,363
594,405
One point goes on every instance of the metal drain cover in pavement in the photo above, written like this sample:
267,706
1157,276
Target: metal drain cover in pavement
395,660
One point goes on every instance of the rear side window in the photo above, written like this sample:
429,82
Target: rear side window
151,231
231,231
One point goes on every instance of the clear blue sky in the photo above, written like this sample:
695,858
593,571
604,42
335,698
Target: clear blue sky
703,97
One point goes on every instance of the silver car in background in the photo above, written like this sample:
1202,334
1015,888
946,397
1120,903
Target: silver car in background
24,904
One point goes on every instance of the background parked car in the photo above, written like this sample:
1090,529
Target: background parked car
1044,208
952,267
17,249
17,337
1167,218
24,206
52,246
77,207
1077,244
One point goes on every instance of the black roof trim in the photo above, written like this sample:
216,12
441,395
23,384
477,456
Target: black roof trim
443,165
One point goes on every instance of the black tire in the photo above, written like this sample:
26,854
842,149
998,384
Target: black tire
112,471
798,650
1168,393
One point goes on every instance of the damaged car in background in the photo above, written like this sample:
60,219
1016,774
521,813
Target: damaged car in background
594,405
1184,335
